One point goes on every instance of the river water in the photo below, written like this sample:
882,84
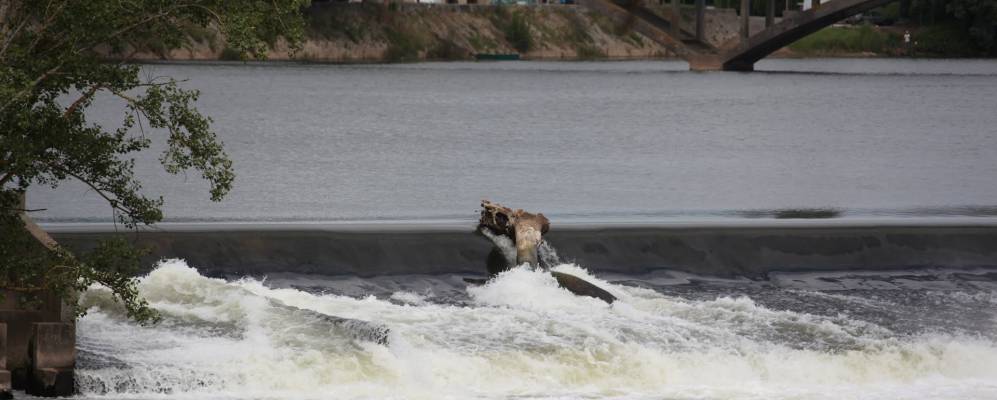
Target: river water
859,335
601,141
611,142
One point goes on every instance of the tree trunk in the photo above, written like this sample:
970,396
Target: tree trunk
37,232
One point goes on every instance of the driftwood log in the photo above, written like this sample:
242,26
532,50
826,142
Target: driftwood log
525,230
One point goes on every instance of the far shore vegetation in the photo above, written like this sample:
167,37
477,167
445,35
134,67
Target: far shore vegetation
955,28
938,29
396,32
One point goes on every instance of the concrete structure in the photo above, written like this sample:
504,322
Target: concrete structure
37,338
25,353
5,386
52,352
738,248
738,54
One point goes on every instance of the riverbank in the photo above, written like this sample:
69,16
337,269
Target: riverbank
366,32
933,41
375,33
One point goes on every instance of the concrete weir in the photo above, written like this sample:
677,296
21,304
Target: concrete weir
738,248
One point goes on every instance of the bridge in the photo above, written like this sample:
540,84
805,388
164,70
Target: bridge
739,53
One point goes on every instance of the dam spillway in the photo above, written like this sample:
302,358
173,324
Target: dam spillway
726,248
773,309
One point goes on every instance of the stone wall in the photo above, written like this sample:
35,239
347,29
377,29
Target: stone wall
37,337
38,347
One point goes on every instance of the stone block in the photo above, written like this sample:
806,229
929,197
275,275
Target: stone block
3,347
53,345
5,387
51,382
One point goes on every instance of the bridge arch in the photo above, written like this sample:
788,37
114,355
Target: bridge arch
738,54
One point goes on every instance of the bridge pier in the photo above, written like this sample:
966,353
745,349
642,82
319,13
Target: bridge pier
716,62
769,13
700,24
736,65
745,19
676,18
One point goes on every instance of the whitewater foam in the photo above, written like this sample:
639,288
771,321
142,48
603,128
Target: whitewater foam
520,335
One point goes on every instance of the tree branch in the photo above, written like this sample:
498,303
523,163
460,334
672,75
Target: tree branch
28,89
10,39
126,97
113,202
72,107
18,209
6,178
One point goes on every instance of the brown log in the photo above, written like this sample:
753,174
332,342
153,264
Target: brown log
581,287
525,229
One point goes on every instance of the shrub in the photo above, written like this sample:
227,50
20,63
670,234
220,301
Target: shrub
948,40
230,54
586,51
446,49
517,33
862,39
403,45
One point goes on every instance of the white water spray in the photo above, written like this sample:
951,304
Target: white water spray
520,335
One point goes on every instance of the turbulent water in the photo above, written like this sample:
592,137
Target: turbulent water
864,335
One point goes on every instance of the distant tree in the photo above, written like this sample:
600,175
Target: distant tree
980,17
904,11
54,59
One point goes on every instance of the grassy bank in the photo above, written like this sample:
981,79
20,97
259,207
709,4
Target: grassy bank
947,41
864,39
395,32
399,33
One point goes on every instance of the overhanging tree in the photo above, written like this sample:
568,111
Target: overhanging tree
55,57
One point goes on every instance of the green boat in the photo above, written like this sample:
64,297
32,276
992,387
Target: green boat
496,57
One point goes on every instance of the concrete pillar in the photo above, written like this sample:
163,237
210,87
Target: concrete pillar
700,20
745,19
676,18
53,356
769,13
788,3
5,386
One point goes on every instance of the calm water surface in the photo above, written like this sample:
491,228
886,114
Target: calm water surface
589,141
